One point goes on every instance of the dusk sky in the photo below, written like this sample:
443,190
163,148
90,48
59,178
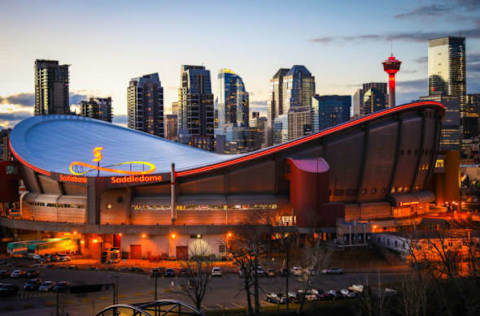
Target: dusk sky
341,42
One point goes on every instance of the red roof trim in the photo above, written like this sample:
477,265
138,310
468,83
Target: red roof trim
307,138
26,163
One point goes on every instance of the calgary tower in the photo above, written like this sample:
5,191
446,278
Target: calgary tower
391,67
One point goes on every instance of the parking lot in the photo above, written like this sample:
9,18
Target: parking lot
134,287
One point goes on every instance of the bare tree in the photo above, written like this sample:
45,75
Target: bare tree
245,252
198,271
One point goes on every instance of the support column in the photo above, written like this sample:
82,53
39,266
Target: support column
172,194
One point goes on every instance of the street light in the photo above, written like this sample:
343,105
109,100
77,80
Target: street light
144,235
173,236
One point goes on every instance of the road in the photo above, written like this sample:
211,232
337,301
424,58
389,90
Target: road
223,292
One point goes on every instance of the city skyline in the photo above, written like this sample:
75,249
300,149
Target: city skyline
311,42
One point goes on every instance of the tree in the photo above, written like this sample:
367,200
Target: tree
198,269
245,253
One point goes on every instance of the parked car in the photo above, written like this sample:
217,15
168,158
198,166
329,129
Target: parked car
7,289
62,258
332,271
296,271
169,273
283,272
46,286
61,287
37,257
4,274
216,271
260,271
270,273
32,274
356,288
18,274
183,272
32,284
275,298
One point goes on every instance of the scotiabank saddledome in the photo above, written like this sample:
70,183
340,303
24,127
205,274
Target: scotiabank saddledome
100,178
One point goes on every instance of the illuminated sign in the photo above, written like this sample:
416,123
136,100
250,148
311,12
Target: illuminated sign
65,178
80,168
143,178
97,154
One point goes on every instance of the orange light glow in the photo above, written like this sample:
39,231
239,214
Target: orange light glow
120,234
144,235
229,235
82,242
95,241
75,233
173,236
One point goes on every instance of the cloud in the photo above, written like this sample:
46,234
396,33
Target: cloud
432,10
75,98
421,60
470,33
409,71
21,99
10,119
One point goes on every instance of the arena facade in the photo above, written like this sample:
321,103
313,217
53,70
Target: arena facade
114,186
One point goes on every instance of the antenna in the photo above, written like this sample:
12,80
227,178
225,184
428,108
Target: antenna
391,47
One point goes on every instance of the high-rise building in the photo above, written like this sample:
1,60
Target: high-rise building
471,123
299,122
97,108
357,102
196,112
232,112
330,110
171,127
446,67
175,107
275,106
450,136
6,153
374,97
145,104
232,99
298,88
280,129
447,76
292,90
51,88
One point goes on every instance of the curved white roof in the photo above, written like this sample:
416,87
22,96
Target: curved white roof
53,142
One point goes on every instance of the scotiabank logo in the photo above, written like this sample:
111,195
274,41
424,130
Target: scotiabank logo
135,179
65,178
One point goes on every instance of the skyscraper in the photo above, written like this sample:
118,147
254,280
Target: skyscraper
292,91
145,104
51,88
330,110
232,99
357,102
298,88
447,77
196,113
374,97
97,108
171,127
450,136
446,67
